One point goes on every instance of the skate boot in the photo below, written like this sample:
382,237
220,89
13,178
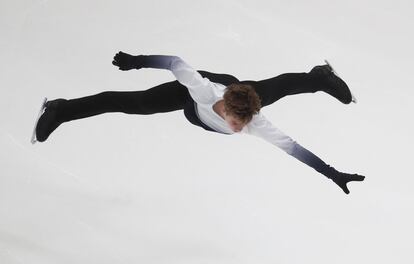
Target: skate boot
49,120
321,70
335,86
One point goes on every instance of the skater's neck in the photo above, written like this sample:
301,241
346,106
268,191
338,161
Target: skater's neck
218,107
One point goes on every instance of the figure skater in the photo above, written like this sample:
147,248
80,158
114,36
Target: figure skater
218,103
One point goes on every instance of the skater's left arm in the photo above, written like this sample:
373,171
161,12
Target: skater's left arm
199,88
261,127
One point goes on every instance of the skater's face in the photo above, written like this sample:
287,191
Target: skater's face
235,124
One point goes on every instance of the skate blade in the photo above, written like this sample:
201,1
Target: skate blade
33,140
354,100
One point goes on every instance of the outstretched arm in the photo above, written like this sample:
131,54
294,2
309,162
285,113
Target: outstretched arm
307,157
127,62
199,87
261,127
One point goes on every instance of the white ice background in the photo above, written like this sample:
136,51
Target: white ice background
120,188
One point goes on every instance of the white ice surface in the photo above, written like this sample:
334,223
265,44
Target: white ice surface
119,188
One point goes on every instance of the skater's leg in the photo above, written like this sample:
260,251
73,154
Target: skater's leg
271,90
320,78
163,98
166,97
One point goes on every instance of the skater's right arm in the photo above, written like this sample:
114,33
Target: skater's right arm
263,128
200,88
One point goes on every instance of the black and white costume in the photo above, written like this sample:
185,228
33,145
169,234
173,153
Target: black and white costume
196,92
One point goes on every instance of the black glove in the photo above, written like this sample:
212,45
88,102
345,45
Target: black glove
341,179
126,62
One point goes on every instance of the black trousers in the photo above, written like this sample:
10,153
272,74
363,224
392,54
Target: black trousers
173,96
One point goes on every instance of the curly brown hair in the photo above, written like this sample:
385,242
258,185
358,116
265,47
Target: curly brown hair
241,101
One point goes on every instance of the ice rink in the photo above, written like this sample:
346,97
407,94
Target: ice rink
155,189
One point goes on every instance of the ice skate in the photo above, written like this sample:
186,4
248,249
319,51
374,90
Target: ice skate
334,85
33,140
48,120
353,98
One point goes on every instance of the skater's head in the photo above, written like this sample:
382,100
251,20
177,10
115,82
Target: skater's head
241,102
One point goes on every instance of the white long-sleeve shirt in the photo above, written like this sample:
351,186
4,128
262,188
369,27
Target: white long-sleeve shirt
206,93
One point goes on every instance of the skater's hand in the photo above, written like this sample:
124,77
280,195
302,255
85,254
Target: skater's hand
127,62
341,179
